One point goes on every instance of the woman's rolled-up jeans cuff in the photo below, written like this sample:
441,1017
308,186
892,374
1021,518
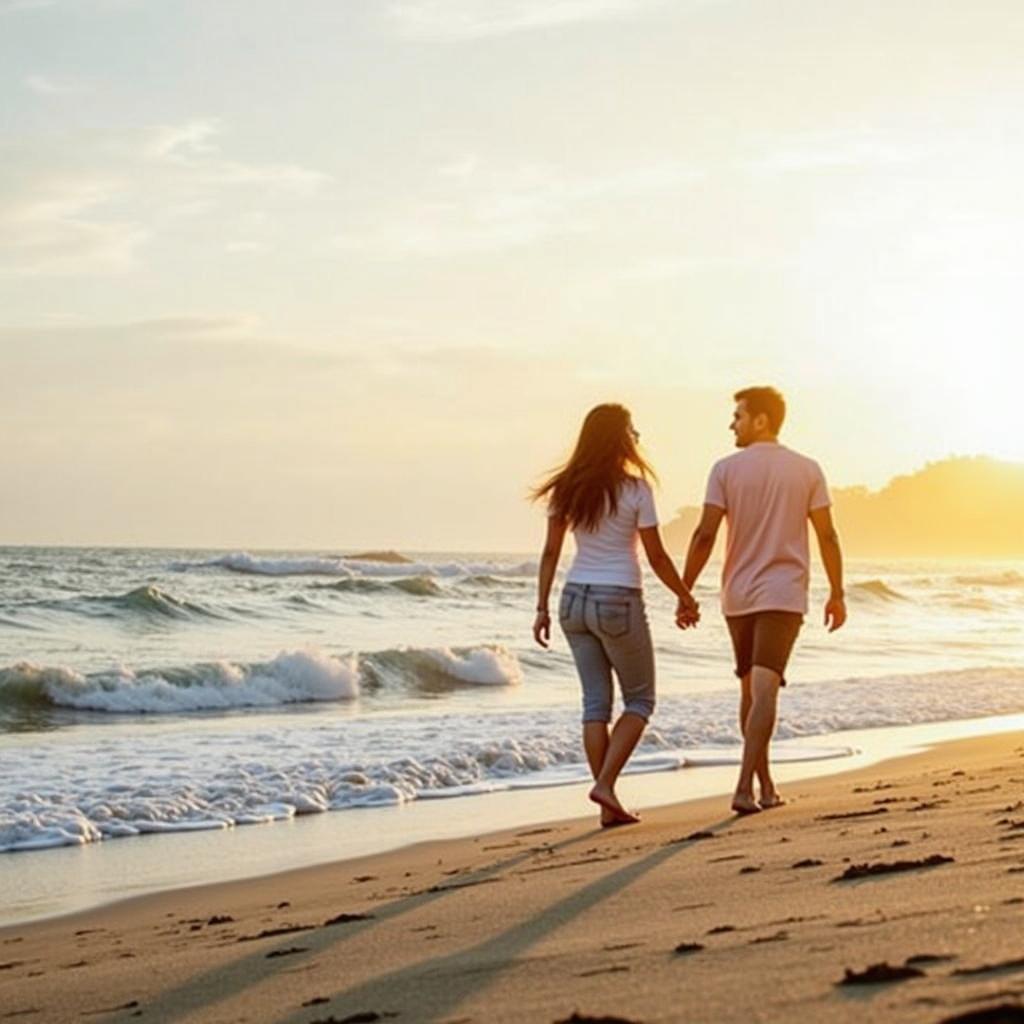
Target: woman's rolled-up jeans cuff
639,706
642,707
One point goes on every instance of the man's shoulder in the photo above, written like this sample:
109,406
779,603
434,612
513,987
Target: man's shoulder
723,464
761,458
799,459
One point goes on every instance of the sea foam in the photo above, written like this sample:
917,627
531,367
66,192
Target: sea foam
221,775
244,562
293,677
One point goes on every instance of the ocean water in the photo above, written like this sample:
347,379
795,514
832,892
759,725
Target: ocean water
151,691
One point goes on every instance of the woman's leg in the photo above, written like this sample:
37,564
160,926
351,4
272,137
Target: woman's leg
626,638
595,672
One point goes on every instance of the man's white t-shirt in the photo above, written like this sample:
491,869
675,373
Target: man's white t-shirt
768,492
610,554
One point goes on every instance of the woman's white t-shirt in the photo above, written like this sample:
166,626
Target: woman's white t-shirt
610,554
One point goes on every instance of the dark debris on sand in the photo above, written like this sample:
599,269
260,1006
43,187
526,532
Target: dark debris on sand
692,837
1003,1013
346,919
688,947
853,814
1003,965
363,1017
880,974
855,871
291,951
584,1018
272,933
809,862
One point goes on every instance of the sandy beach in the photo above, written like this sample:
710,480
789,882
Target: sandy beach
693,915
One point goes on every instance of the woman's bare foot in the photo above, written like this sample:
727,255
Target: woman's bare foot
770,800
612,812
608,820
743,803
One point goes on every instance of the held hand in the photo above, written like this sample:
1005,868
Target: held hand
542,628
687,612
835,613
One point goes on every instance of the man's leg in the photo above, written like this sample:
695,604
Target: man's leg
757,733
745,702
769,794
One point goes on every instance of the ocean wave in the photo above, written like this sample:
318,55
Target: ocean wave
293,677
243,562
147,601
417,586
877,589
151,600
16,623
433,668
290,678
485,581
1010,578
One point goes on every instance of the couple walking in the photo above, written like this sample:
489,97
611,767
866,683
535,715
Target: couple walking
766,493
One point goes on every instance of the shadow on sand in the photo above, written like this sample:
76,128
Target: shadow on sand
437,984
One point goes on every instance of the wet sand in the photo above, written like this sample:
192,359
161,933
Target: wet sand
894,892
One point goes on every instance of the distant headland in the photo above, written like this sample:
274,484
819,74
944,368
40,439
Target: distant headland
963,506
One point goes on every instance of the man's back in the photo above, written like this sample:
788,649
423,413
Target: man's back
767,492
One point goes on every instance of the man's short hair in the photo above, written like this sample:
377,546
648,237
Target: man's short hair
764,400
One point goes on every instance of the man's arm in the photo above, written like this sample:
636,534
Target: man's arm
832,559
702,543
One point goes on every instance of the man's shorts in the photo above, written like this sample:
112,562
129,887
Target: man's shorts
765,639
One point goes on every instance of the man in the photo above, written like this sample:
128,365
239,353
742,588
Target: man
767,493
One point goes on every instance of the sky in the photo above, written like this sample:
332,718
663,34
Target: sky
348,273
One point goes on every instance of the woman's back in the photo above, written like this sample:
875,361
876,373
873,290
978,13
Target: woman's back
609,554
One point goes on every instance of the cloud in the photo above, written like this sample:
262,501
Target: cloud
44,85
19,6
192,146
57,229
838,150
181,143
480,209
455,20
245,246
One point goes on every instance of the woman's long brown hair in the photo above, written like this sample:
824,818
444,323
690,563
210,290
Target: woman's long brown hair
586,488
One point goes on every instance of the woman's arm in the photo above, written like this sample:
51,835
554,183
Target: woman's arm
664,569
546,576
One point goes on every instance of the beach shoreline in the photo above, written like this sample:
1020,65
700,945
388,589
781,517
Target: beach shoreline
40,886
532,923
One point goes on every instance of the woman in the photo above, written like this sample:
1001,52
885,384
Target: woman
603,496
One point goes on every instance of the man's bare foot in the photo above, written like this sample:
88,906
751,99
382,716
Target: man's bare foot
612,812
744,804
770,800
